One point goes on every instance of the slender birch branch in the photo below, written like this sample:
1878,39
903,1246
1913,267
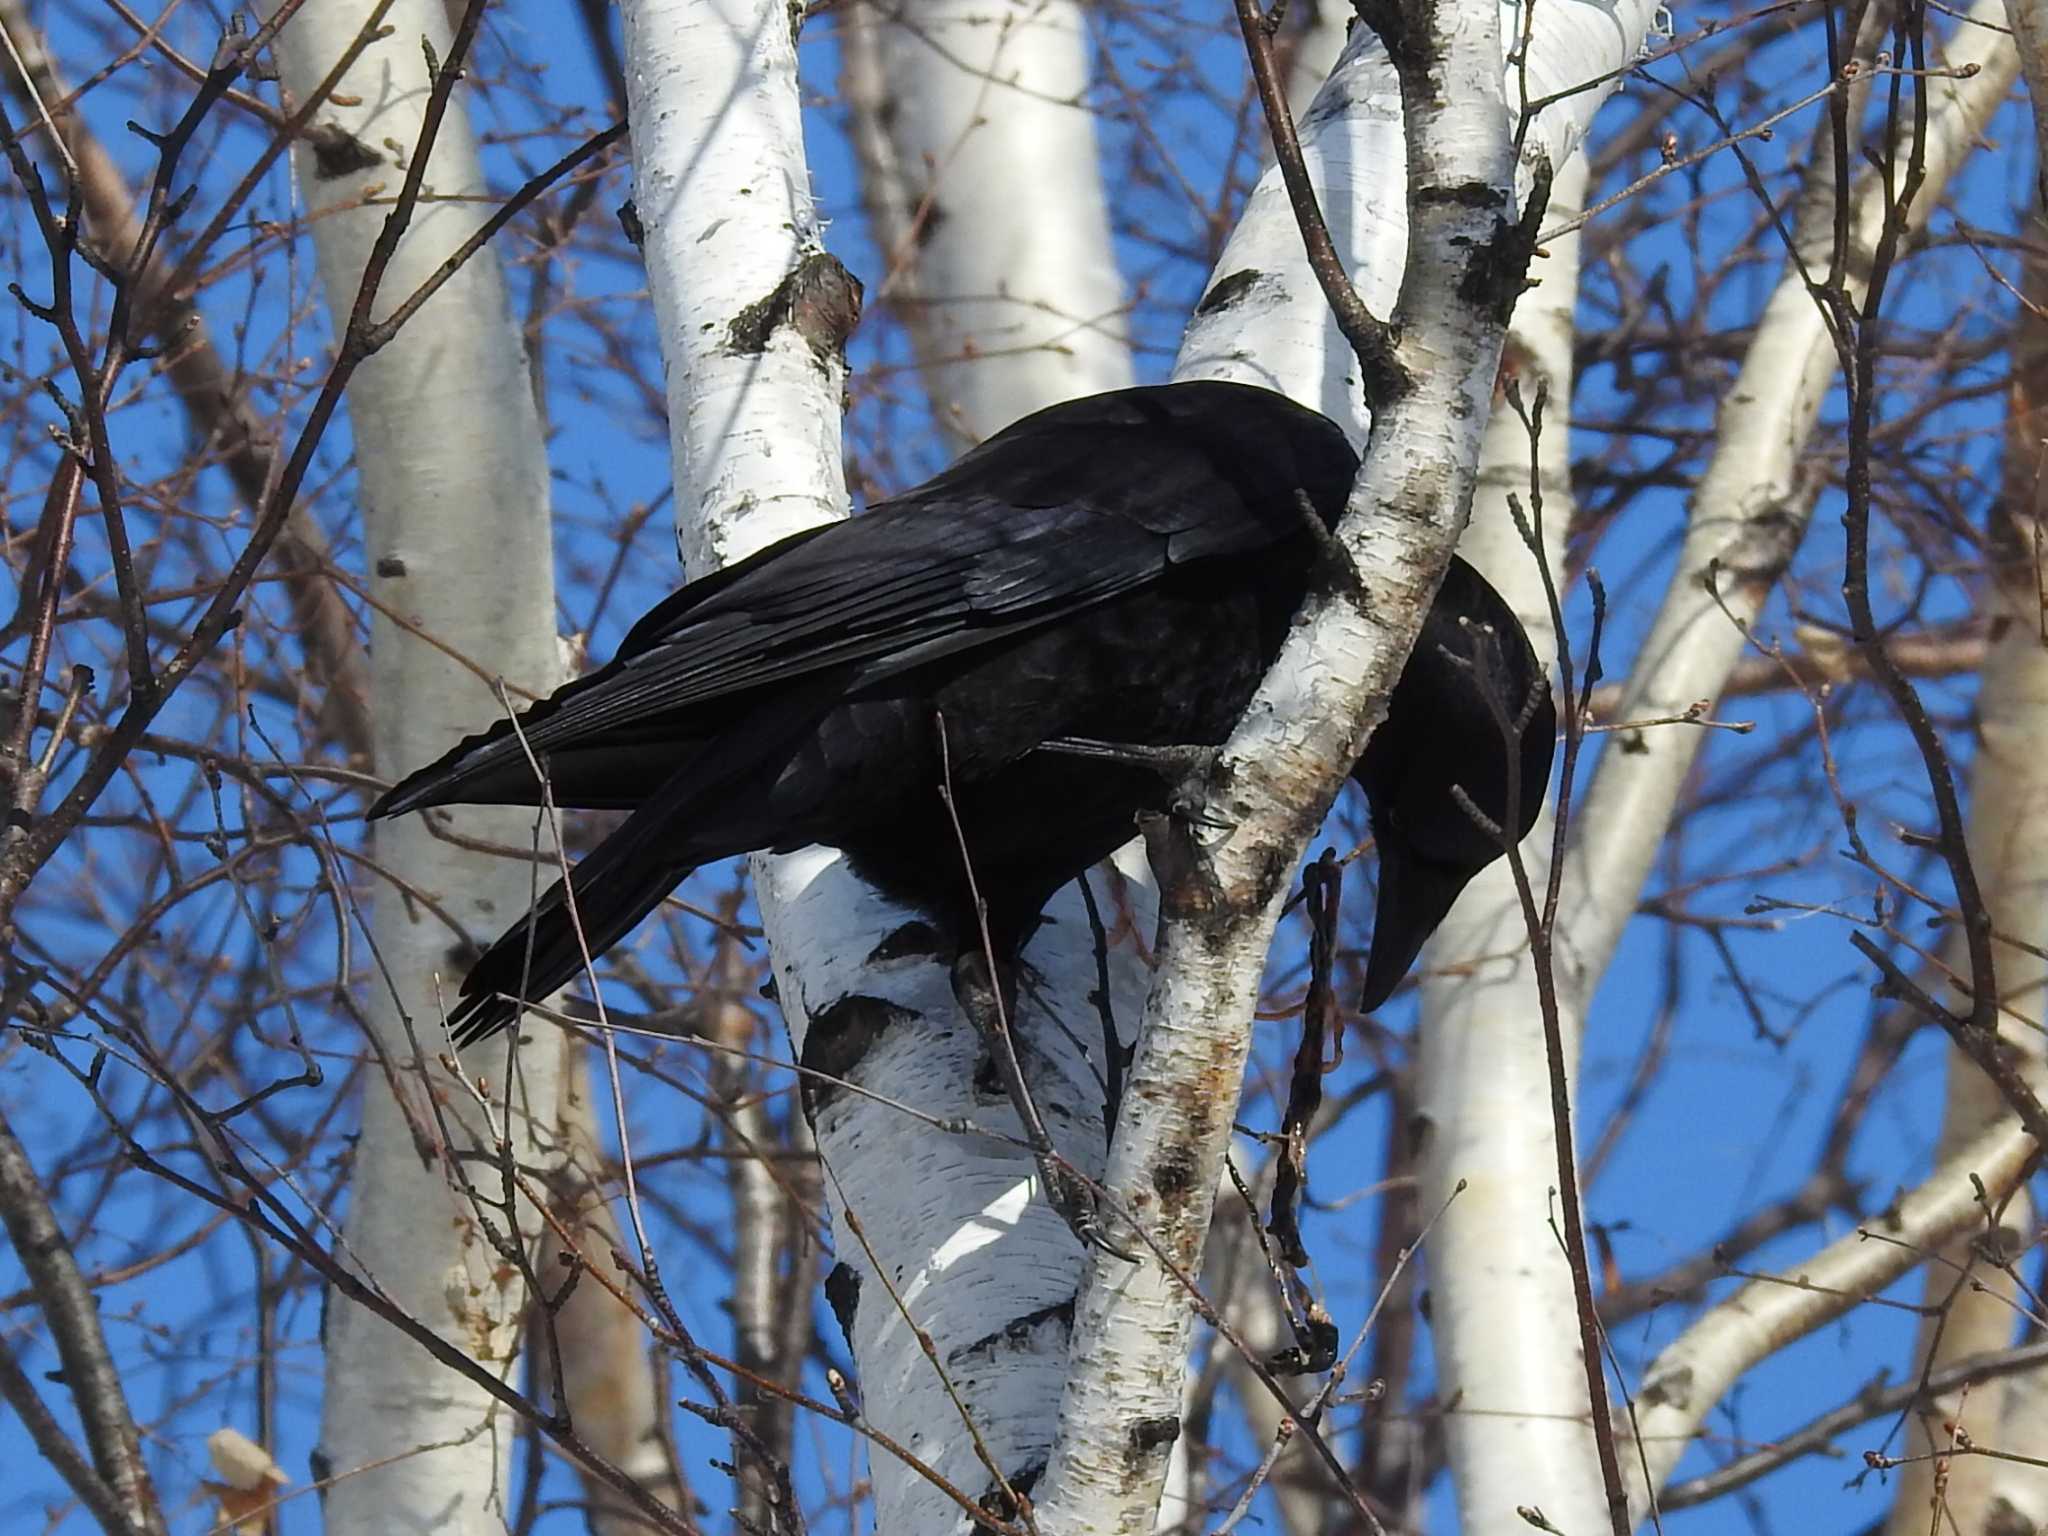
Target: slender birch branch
1282,767
1693,1373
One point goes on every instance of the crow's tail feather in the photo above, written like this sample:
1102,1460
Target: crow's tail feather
711,806
544,951
615,885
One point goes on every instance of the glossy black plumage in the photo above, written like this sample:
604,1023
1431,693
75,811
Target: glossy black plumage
1120,568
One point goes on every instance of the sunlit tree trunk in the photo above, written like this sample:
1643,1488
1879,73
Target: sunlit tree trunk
454,493
1013,301
1747,516
1483,1111
1314,50
1268,322
1265,321
1012,304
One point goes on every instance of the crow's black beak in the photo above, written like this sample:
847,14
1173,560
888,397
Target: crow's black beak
1415,895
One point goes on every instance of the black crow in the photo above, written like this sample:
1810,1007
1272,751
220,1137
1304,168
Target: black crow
1110,575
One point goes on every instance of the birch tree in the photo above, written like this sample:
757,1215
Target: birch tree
455,505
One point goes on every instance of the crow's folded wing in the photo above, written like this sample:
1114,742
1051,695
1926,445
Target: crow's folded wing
1030,527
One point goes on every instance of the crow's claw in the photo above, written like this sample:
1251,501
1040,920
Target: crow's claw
1187,768
1071,1196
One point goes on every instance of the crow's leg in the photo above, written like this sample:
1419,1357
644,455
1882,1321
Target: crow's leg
1185,769
990,1003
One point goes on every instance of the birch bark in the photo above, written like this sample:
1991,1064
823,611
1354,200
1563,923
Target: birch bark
454,492
936,1231
1317,48
1483,1112
1264,319
1013,301
1266,322
1747,517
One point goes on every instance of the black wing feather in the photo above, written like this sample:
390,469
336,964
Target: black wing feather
946,568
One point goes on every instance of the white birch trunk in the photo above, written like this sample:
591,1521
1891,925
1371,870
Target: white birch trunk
745,299
455,499
1012,304
1316,50
2029,22
992,216
1264,320
950,1231
1747,515
1501,1291
2018,1493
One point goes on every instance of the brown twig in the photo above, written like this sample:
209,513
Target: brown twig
26,851
1541,925
220,412
1855,328
1370,337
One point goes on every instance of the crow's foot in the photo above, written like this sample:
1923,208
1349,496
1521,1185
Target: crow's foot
1071,1196
1186,769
